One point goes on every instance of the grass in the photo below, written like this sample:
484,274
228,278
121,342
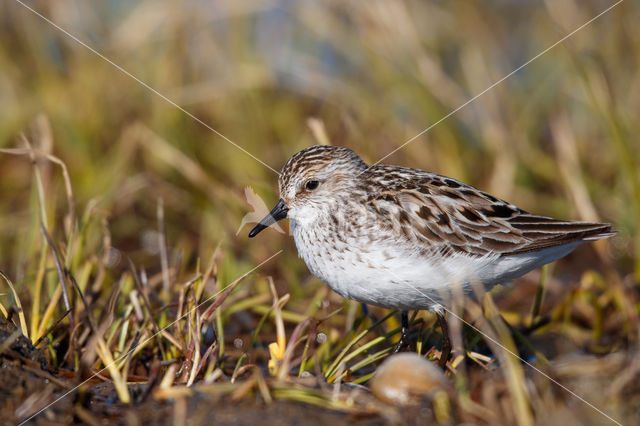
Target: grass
119,246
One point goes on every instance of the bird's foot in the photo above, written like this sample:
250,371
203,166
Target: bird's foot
403,343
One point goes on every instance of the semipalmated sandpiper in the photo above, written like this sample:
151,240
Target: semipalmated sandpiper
403,238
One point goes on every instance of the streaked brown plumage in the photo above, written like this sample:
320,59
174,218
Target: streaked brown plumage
401,238
451,216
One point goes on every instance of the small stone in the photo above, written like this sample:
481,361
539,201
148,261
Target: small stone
404,378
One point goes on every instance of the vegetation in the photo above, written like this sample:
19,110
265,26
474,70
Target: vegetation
120,248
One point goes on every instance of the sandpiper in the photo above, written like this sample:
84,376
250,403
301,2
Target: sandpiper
402,238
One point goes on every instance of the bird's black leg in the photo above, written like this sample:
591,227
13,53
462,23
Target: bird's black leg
446,343
404,334
365,314
365,309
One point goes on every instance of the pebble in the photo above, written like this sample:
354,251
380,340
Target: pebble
405,378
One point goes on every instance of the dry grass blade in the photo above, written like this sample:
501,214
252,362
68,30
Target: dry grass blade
23,321
61,274
98,346
288,353
51,327
228,289
48,313
37,292
330,371
164,257
277,348
156,328
32,153
6,344
514,372
34,403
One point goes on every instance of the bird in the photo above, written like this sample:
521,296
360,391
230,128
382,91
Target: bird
404,238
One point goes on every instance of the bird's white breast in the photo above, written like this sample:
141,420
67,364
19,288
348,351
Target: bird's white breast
378,271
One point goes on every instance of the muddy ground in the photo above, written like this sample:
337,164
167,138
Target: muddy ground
28,384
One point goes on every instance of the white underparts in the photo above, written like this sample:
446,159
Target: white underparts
385,274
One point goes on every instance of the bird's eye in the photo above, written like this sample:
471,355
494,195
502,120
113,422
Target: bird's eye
311,185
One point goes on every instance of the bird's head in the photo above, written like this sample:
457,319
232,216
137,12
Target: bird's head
312,182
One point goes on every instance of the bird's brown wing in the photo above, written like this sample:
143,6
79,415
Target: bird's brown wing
439,214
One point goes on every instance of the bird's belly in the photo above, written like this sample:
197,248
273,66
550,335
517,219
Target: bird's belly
384,275
390,275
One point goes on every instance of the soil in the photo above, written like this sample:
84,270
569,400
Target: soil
28,384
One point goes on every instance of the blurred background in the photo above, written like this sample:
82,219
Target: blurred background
558,138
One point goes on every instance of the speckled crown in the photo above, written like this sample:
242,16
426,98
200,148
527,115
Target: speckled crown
318,157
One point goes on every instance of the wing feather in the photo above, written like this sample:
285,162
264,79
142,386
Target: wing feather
443,215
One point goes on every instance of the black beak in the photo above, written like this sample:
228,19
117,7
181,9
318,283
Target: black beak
279,212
